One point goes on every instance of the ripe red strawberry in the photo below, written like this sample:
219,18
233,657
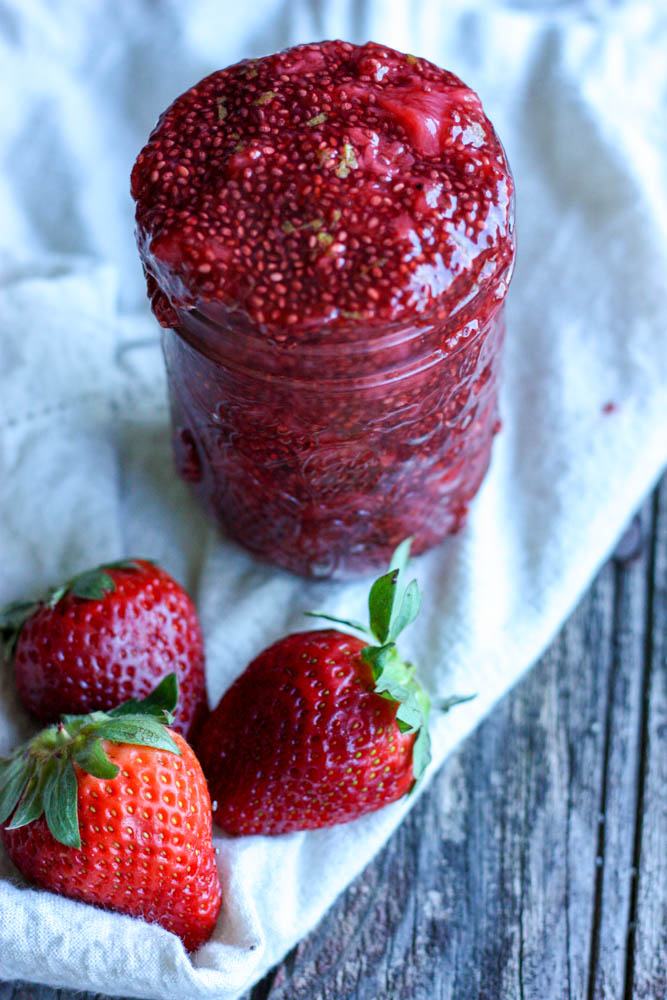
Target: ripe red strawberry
112,809
105,636
322,727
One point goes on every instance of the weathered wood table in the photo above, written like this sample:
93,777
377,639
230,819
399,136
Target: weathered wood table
536,864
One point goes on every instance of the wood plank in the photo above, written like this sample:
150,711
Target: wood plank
647,954
620,789
560,824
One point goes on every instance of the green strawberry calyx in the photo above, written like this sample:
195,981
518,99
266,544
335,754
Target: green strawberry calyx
392,606
40,778
91,585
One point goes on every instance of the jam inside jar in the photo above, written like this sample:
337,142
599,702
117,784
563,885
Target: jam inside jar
327,235
323,460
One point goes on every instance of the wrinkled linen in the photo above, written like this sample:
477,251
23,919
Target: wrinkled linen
578,93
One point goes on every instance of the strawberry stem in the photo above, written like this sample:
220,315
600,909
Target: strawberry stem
391,608
92,585
39,777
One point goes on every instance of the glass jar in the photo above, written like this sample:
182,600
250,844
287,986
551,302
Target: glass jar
327,238
322,459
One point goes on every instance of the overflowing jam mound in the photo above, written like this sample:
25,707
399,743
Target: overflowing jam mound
327,237
323,185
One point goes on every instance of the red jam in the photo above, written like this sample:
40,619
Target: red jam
327,237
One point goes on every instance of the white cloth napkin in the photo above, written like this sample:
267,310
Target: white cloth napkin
578,93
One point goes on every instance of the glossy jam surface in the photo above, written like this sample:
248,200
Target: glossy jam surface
327,234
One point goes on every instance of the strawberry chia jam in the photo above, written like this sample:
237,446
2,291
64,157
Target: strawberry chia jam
327,238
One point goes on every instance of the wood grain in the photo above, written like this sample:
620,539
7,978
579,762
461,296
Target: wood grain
646,975
535,867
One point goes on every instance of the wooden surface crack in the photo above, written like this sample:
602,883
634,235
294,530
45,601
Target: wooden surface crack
649,631
568,935
598,871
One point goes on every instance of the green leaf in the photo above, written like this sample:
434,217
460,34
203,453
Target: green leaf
93,585
57,595
13,779
421,754
389,670
399,559
409,609
61,805
388,610
377,658
160,703
140,730
348,622
31,804
381,604
406,605
13,615
73,724
12,619
93,760
409,716
41,777
389,614
395,680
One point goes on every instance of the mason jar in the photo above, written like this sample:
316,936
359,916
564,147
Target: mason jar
322,460
327,238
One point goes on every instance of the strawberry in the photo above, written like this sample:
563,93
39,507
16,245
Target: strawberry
112,809
104,636
322,727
